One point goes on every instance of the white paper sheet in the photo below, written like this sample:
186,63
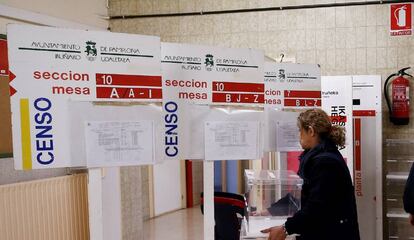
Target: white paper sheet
287,137
231,140
119,143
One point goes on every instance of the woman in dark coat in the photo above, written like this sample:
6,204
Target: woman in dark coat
328,206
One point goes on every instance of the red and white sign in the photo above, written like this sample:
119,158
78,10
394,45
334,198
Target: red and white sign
51,68
4,63
401,19
290,85
212,75
233,92
195,77
302,98
121,86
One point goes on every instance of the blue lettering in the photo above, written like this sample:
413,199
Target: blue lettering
175,152
42,134
42,145
171,134
171,128
39,107
44,131
43,118
41,161
168,105
171,118
171,140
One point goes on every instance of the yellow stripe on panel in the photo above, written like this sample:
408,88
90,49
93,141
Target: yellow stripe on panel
25,128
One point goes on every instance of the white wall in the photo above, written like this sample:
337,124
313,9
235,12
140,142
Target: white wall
90,13
167,187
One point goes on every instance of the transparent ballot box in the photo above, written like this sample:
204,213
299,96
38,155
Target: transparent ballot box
272,197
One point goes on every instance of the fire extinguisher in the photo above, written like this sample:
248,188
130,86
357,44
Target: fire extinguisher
400,16
400,107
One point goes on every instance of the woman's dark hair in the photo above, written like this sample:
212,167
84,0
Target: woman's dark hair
321,124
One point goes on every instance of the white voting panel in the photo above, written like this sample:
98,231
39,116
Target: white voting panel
290,85
227,140
196,77
287,136
119,143
212,75
337,103
114,135
50,66
367,115
195,134
282,132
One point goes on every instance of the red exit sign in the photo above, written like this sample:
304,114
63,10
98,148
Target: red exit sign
401,19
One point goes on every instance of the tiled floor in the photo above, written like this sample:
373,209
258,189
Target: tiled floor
186,224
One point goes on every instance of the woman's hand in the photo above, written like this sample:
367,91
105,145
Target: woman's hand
276,233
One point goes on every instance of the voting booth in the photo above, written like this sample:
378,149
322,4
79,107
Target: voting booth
88,100
79,98
213,105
